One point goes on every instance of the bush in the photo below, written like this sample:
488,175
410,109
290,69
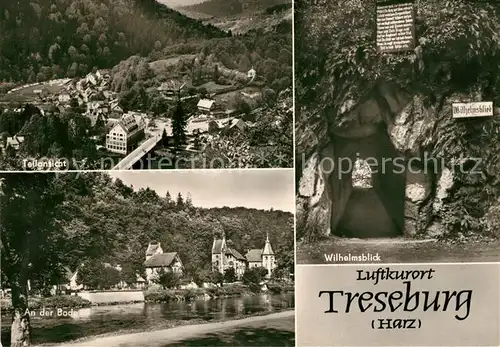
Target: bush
59,301
229,290
280,287
168,295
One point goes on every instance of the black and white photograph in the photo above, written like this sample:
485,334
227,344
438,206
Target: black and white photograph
397,131
153,84
147,258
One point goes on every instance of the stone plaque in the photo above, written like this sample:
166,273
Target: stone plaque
395,26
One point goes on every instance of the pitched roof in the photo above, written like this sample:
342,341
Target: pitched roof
268,249
68,273
206,103
254,255
240,124
217,247
161,260
236,254
128,122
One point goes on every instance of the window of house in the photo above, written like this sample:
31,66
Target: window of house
362,174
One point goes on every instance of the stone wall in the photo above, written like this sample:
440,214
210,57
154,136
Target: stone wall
112,296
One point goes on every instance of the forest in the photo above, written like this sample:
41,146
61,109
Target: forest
46,39
56,135
52,221
224,8
212,61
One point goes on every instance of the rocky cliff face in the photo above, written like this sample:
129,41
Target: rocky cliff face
452,171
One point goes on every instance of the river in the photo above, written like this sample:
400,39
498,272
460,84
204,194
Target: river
145,316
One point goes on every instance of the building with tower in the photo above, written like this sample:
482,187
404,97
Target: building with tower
224,257
262,258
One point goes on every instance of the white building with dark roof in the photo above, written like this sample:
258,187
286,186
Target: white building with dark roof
157,261
124,135
206,106
224,257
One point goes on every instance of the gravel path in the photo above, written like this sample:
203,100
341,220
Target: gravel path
177,334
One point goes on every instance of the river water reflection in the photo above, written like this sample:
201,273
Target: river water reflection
144,316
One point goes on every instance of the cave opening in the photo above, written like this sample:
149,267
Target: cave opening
368,186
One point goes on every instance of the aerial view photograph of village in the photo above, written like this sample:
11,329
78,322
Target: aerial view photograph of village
128,84
147,258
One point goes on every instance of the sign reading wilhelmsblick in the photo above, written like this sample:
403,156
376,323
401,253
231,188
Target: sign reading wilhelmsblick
472,109
395,26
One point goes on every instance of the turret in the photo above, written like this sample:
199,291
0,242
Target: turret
153,248
218,253
268,258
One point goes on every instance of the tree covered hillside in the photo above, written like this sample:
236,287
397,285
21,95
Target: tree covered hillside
92,217
44,39
223,8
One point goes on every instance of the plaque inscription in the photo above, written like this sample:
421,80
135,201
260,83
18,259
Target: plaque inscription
395,27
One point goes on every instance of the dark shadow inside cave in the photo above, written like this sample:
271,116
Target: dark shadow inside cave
369,198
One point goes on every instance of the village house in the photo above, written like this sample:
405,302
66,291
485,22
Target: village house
96,109
91,79
157,261
124,135
114,107
94,115
64,98
140,283
262,258
107,94
89,94
167,89
213,127
70,281
224,257
14,141
81,85
140,118
235,126
206,106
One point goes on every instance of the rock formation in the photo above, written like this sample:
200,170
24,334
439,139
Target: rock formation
447,172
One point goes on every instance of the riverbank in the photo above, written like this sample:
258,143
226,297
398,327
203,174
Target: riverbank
275,329
51,302
68,302
226,291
